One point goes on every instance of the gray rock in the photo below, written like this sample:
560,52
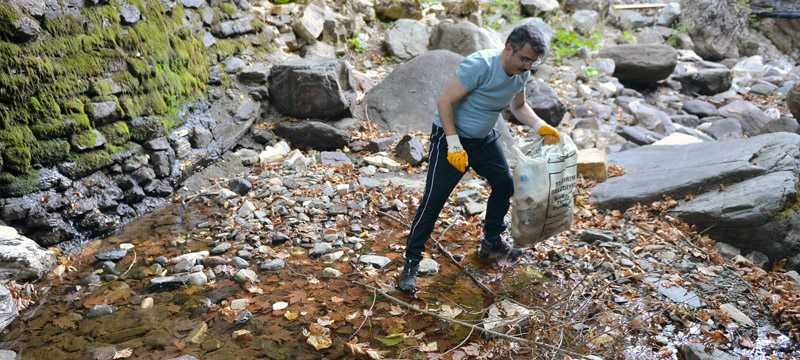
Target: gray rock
407,38
21,258
428,266
100,310
7,354
538,7
334,158
240,263
641,64
793,101
320,248
311,88
221,248
650,36
700,108
255,74
726,250
686,120
694,351
723,129
714,27
312,134
51,178
185,357
319,50
631,19
157,144
113,254
129,14
392,106
381,144
758,258
410,150
200,137
752,119
193,4
144,175
198,278
388,10
591,236
273,265
463,38
146,128
705,82
763,88
91,139
585,21
310,23
783,123
677,294
669,14
103,112
234,65
374,260
234,27
544,102
240,186
246,275
8,307
652,118
161,161
330,272
651,172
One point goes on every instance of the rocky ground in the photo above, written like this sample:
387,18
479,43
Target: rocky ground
289,246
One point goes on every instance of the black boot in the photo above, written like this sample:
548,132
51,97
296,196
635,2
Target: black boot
408,277
495,248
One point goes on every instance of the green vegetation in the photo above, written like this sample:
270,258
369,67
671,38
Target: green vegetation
356,45
45,84
591,72
627,37
497,13
566,44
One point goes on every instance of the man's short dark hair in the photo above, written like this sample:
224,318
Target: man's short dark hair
527,34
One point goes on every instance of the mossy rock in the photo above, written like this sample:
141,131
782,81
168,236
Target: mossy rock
146,128
116,133
87,140
15,152
13,186
50,152
85,164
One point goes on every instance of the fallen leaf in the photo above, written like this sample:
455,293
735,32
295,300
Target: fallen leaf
429,347
124,353
450,312
352,316
392,339
290,315
363,349
318,337
396,310
336,299
324,321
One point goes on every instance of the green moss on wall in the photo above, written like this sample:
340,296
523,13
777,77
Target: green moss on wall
11,185
155,64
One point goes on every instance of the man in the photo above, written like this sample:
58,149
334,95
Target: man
463,136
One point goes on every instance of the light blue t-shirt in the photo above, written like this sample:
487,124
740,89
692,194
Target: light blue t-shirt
490,92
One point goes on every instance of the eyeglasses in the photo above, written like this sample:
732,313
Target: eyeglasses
528,62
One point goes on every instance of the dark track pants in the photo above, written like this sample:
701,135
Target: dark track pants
486,157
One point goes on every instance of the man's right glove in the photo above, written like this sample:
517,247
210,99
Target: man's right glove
549,133
456,155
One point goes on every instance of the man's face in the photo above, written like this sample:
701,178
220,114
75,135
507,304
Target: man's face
523,59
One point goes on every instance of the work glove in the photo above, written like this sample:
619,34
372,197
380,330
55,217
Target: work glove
549,133
456,155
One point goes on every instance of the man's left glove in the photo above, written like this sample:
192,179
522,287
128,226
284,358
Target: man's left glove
549,133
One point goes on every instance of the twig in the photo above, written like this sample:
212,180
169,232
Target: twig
460,344
638,6
462,323
131,266
395,218
366,316
457,264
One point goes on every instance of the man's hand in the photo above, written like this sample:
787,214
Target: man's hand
456,155
549,133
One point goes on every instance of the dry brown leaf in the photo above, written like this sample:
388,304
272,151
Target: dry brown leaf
124,353
318,336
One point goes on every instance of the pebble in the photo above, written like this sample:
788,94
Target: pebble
320,248
279,238
147,303
428,266
330,272
221,248
244,254
111,254
246,275
280,305
243,317
103,353
90,279
273,265
331,257
100,310
162,260
239,304
374,260
198,278
240,263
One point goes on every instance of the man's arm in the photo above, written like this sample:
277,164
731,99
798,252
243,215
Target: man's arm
523,112
452,92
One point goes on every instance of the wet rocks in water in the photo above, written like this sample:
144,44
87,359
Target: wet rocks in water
21,258
8,307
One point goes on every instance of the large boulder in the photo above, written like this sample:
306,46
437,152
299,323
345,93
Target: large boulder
745,190
312,134
641,64
388,10
407,38
793,101
22,259
405,101
538,7
311,88
715,27
544,102
753,120
601,6
463,38
536,22
784,34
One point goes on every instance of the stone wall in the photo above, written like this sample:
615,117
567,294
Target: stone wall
102,110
